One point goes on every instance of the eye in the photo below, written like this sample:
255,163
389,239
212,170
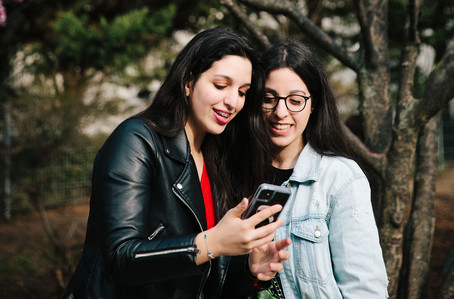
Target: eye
218,86
296,99
243,91
269,99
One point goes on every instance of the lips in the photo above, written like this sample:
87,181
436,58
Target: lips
222,116
278,129
280,126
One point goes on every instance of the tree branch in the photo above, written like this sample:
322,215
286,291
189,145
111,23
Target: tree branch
375,161
409,55
439,88
363,21
293,12
242,17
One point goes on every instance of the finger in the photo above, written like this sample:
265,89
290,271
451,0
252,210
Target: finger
276,267
265,214
265,277
269,228
281,244
262,240
240,208
284,255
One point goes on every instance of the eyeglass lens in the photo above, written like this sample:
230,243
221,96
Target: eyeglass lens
293,102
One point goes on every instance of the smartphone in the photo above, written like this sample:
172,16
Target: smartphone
266,196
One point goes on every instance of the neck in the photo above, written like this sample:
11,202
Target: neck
195,138
287,156
195,143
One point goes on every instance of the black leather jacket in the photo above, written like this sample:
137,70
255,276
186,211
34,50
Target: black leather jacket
145,210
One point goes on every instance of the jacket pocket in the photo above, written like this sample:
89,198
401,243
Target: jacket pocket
311,250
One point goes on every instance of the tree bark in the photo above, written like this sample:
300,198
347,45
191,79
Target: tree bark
397,198
421,228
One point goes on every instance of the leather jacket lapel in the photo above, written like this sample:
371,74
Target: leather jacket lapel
187,186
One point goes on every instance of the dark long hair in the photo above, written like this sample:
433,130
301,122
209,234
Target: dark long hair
324,130
169,110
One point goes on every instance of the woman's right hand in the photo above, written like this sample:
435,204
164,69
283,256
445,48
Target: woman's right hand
235,236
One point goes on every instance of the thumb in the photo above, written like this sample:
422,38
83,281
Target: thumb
240,208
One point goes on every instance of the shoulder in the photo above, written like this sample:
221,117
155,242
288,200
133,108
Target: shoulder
134,126
340,165
132,131
339,174
132,137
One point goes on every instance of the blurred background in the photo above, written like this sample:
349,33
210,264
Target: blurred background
71,71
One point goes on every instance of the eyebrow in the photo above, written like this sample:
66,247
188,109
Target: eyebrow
294,91
228,78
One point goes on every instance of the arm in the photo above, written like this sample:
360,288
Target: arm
357,258
128,205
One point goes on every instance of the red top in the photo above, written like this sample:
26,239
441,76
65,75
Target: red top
207,198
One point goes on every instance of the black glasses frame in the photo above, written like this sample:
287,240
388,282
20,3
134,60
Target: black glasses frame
306,98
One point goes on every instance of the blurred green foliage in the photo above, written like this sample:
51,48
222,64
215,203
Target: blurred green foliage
108,44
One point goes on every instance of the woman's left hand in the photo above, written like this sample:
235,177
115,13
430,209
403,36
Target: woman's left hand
265,261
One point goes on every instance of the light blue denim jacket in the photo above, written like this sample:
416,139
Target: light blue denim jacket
335,250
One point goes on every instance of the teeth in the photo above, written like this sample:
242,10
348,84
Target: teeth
223,114
281,127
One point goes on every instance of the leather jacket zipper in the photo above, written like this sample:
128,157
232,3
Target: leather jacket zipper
163,252
157,231
205,277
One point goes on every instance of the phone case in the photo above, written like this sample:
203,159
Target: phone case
266,196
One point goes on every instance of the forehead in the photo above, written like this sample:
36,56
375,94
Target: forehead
237,68
285,80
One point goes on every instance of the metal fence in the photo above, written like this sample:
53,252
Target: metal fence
67,180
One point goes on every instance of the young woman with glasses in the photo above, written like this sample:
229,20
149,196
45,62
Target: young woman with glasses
335,250
165,218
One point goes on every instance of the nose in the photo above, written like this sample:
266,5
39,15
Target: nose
231,99
281,109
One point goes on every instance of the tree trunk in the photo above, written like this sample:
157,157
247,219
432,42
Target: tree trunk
421,228
396,204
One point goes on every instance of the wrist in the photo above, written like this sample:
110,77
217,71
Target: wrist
209,252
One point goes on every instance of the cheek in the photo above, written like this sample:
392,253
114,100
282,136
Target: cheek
240,105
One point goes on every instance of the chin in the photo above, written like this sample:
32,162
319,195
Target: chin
216,131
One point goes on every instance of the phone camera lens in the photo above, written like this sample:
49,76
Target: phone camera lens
266,194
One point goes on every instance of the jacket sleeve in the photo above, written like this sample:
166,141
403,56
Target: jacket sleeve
357,258
123,173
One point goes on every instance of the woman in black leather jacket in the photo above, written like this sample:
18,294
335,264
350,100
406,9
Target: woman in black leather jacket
164,219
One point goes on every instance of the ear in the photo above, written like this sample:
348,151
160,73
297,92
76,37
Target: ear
188,86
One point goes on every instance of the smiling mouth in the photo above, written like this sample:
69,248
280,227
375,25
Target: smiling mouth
281,126
222,114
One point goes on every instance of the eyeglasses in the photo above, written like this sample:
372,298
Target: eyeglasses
293,102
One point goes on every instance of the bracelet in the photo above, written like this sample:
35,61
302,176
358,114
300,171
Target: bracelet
210,254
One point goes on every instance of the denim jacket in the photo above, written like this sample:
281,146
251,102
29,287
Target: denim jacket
335,250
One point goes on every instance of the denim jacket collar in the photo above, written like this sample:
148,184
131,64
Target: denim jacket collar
301,172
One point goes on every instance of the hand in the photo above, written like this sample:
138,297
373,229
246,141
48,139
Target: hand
265,261
235,236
